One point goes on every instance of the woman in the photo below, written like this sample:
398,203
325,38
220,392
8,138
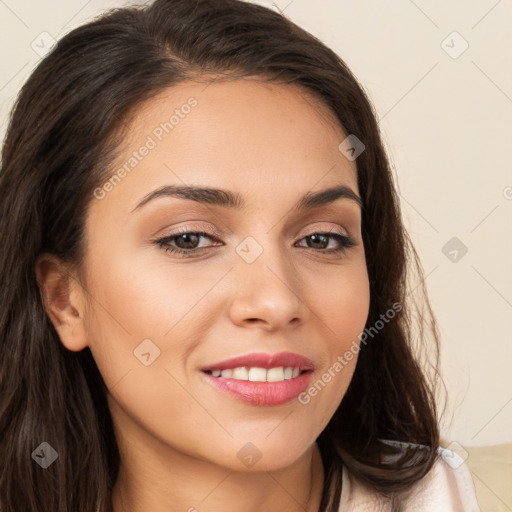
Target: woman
204,299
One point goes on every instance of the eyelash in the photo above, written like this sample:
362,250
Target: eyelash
346,242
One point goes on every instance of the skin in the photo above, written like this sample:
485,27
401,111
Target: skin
178,435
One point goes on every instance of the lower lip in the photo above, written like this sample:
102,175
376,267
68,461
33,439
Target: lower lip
263,393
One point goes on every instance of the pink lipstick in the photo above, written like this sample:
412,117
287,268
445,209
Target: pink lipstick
262,379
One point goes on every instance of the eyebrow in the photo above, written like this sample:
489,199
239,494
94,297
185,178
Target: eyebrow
229,199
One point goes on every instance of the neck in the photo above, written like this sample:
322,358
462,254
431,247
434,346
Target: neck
148,480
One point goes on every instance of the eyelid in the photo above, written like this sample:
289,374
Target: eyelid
340,230
216,234
210,231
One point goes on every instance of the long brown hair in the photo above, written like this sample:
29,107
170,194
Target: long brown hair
63,134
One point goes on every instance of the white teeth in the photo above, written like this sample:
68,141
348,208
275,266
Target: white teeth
240,374
256,374
275,374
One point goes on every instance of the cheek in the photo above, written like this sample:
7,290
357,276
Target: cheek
136,301
144,299
342,304
342,310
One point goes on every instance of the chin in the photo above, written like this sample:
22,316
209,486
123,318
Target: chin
253,457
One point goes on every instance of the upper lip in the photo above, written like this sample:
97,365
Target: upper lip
262,360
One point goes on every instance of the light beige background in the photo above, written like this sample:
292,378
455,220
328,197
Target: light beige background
447,122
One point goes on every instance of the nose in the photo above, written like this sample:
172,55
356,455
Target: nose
267,293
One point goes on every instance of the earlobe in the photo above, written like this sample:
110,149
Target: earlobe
62,297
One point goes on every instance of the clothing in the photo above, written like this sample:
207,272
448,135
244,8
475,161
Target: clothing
448,487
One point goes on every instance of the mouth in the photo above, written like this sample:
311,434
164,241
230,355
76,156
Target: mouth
262,379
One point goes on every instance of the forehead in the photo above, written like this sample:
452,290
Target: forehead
246,135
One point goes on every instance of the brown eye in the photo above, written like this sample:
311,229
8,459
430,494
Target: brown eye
184,242
320,241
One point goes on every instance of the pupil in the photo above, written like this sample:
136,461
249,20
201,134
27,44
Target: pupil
323,244
182,238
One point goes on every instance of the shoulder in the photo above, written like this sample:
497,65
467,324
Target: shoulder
447,487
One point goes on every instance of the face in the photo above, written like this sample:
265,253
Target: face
255,275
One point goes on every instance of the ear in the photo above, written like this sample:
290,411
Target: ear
63,299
